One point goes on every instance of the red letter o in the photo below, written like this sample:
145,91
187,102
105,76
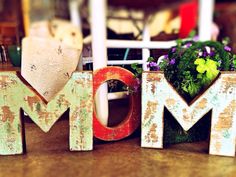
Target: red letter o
132,120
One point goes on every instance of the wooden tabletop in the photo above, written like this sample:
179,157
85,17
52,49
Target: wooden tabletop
48,155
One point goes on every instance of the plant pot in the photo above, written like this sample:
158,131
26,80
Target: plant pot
14,53
158,93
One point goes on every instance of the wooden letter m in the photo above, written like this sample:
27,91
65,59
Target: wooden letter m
220,97
77,96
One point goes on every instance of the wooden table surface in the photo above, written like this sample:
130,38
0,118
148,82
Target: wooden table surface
48,155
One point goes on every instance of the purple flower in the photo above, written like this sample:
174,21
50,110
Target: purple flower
172,61
188,44
157,68
227,48
204,54
152,64
196,38
165,56
212,53
220,61
173,49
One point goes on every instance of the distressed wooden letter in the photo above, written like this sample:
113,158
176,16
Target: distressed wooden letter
220,97
132,121
77,95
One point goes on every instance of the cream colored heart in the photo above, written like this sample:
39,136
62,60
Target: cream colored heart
47,64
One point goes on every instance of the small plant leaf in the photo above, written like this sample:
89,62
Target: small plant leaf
201,68
150,59
209,66
134,65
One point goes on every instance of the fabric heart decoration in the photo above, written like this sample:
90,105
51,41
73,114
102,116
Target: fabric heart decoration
49,56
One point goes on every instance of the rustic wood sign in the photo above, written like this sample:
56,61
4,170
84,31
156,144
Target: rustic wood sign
132,120
77,96
157,93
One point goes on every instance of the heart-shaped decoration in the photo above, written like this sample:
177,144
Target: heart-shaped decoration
50,56
47,64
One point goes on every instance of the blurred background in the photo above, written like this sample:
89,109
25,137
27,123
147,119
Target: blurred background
166,20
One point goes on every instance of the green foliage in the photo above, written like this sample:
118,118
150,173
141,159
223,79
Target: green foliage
151,59
137,70
191,66
234,61
192,34
189,84
226,41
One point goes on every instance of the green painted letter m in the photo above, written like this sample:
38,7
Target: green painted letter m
77,96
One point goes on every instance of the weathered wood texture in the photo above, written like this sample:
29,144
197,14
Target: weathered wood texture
220,97
77,96
132,120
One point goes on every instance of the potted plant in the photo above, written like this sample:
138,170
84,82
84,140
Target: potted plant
190,67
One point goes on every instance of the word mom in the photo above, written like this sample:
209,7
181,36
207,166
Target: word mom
78,96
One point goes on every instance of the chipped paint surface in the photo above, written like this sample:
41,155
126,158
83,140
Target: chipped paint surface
77,95
132,120
220,97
